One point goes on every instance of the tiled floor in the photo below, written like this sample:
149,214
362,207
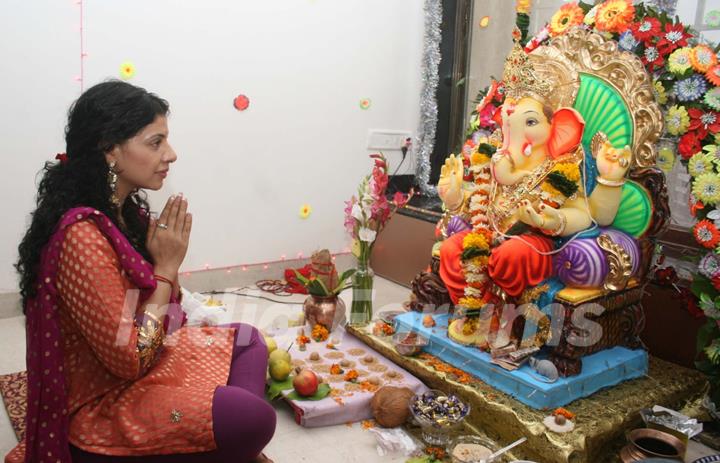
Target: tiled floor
291,443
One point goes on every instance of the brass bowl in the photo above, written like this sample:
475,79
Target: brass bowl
646,443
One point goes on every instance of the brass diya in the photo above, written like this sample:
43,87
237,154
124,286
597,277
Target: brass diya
647,443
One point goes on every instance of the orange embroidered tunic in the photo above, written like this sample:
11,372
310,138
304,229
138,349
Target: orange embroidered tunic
115,407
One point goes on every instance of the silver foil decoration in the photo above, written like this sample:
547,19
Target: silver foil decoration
425,140
667,6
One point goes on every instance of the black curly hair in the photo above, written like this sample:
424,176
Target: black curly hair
104,116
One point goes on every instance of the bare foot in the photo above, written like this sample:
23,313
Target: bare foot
262,458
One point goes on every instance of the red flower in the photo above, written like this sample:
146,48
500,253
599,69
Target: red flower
62,157
716,283
704,122
695,206
673,38
646,29
400,199
689,145
379,160
707,234
693,307
652,58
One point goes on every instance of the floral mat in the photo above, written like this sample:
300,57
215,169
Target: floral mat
13,388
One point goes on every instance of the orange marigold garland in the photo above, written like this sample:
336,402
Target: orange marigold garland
566,413
351,376
706,233
437,453
383,329
320,333
302,340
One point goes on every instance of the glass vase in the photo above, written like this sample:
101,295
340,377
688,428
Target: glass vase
362,304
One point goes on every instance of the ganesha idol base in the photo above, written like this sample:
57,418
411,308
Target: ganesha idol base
599,371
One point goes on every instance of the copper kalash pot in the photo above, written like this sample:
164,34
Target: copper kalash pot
328,311
647,443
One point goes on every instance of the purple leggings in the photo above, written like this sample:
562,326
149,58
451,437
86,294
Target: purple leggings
243,422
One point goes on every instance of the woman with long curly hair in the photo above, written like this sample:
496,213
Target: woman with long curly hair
114,374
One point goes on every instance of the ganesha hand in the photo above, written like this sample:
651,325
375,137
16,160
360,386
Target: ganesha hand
613,163
548,219
450,185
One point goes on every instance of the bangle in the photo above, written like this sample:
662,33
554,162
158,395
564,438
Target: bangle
151,334
152,317
606,182
163,279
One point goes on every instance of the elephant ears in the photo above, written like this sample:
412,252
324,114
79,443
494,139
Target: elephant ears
566,132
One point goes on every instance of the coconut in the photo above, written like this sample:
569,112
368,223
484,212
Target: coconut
390,405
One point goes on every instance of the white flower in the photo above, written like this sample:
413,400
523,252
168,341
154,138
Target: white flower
714,215
472,292
357,212
367,235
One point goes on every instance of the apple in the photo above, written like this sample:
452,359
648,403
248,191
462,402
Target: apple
306,383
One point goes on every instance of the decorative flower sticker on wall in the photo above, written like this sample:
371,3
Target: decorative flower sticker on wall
712,18
484,22
365,103
241,102
305,211
127,70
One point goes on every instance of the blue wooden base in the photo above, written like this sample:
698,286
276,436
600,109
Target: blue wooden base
601,370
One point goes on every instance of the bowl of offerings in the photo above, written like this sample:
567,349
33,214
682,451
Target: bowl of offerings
438,414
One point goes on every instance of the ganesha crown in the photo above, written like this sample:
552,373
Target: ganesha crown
520,76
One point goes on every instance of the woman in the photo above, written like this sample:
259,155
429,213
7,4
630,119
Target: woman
113,375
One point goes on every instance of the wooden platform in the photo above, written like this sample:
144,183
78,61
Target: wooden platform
601,420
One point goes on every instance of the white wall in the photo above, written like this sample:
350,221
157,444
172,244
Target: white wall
304,64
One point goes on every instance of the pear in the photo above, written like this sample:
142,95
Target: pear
280,370
279,354
271,344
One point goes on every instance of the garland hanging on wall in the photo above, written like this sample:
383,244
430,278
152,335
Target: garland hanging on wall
428,98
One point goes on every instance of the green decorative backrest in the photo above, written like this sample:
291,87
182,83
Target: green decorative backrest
604,110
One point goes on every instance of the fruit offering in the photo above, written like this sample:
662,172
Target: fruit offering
306,383
279,365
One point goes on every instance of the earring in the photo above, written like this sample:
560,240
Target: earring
112,182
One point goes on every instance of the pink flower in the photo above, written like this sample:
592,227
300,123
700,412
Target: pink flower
379,160
380,210
486,116
400,199
349,219
379,182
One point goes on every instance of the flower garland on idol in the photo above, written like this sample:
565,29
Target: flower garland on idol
686,77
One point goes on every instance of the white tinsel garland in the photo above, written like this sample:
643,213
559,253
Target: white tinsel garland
428,101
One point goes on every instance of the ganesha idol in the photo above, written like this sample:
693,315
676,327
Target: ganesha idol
561,204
